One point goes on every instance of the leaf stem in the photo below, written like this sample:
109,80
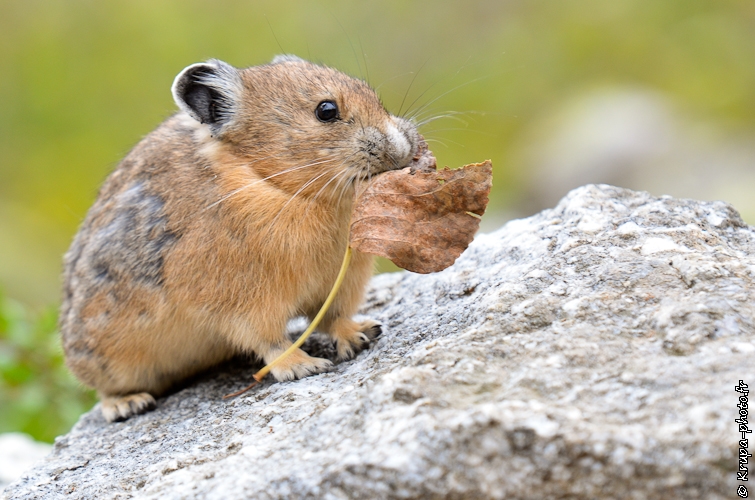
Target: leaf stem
316,321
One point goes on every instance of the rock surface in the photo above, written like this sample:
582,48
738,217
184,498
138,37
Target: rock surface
18,452
590,351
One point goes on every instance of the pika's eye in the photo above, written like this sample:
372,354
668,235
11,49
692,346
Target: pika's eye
326,111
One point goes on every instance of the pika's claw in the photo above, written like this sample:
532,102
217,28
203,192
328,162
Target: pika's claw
352,337
373,331
118,408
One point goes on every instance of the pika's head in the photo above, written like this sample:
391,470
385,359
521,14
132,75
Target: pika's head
293,114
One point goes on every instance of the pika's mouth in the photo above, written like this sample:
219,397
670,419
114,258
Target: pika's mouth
422,160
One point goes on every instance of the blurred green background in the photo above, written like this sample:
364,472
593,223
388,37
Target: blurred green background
655,95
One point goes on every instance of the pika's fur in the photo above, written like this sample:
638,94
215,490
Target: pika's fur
225,222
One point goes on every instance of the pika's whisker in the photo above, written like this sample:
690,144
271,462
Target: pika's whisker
392,78
305,186
348,178
257,181
321,190
424,106
439,117
439,142
410,87
393,160
431,86
346,184
340,176
313,199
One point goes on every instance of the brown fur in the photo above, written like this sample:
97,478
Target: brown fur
195,250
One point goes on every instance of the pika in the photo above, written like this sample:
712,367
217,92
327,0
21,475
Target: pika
224,223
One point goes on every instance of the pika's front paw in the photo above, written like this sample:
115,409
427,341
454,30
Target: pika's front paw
372,329
298,365
118,408
352,337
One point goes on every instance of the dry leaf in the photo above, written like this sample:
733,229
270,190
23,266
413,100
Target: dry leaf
419,217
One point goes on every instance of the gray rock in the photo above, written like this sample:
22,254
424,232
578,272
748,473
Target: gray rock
590,351
18,452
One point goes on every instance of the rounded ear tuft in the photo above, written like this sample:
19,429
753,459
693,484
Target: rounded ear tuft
208,92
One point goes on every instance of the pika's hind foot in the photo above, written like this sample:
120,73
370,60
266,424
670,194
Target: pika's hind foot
352,338
118,408
298,365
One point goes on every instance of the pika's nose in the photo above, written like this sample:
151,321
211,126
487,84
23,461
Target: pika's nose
399,140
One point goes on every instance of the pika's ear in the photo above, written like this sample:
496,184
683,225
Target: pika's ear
286,58
208,92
